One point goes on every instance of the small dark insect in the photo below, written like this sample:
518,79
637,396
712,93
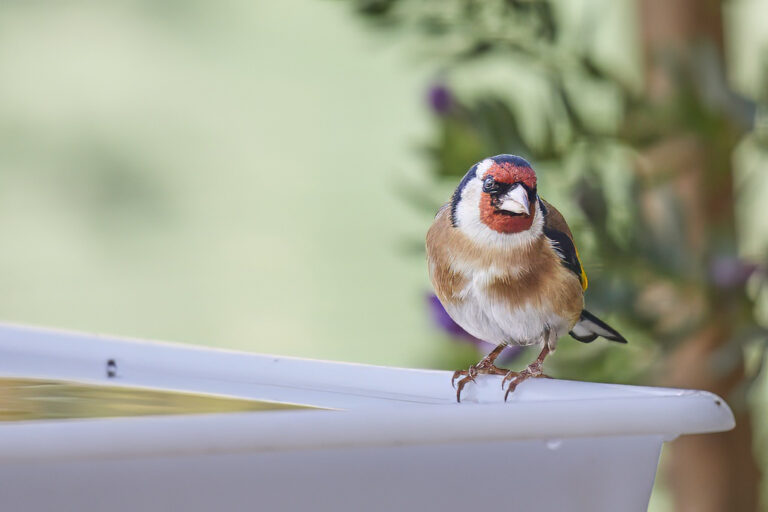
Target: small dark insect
111,368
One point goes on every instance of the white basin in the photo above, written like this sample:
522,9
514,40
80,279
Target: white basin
393,439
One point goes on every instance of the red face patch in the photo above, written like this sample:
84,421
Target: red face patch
502,222
496,219
507,173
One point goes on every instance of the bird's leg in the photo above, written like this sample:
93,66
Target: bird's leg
485,366
533,370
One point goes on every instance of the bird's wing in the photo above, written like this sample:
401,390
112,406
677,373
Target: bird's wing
559,234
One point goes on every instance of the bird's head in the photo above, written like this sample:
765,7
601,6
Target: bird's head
496,201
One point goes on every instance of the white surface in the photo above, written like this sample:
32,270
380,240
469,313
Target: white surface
401,441
468,477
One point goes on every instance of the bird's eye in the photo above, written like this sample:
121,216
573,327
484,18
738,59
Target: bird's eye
489,184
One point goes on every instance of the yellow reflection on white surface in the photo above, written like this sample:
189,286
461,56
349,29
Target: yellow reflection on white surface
37,399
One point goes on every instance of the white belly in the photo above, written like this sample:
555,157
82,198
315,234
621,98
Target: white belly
497,322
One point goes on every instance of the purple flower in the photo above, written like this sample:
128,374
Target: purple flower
730,271
440,98
445,323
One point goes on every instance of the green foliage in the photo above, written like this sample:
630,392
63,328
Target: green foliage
593,135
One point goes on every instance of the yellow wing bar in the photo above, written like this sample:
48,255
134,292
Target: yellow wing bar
583,275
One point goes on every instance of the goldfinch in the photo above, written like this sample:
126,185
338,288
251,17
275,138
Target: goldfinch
503,264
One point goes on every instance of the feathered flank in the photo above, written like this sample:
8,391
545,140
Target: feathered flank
589,327
557,231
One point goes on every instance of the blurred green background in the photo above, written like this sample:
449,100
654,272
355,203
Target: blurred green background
221,174
260,176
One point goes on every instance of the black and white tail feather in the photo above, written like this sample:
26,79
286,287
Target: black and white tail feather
589,327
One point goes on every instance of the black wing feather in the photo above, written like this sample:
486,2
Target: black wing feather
589,327
565,249
563,245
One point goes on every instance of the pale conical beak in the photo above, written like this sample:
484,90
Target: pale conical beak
516,201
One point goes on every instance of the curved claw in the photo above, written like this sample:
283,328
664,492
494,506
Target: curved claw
470,377
523,376
459,373
512,386
483,368
509,376
462,383
458,391
456,375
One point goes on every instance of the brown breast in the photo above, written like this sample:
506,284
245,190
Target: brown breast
516,276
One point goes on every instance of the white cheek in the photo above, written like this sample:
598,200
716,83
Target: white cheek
468,209
468,220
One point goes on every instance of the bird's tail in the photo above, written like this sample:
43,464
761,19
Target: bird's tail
590,327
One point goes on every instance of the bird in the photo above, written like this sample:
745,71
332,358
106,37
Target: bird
504,265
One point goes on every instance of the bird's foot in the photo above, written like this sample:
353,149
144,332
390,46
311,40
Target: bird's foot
533,370
484,367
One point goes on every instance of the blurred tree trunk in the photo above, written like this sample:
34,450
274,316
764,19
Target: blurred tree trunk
708,472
